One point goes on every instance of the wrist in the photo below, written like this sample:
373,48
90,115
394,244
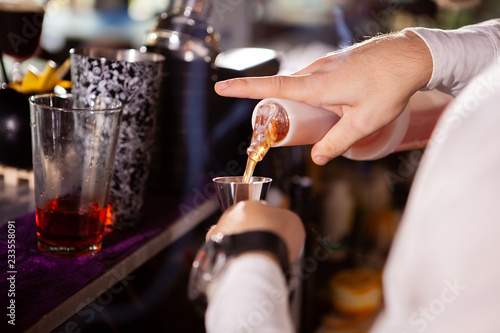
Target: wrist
215,255
400,62
419,59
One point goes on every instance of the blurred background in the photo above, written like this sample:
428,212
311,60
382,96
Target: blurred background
351,208
280,24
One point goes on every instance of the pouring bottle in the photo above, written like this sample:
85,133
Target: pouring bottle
303,124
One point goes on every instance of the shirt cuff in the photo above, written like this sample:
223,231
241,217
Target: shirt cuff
460,55
251,293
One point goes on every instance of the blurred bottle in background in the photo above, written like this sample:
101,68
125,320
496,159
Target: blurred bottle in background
190,45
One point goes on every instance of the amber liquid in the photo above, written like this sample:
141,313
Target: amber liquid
270,127
63,223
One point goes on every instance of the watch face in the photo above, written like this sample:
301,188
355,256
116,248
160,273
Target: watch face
206,266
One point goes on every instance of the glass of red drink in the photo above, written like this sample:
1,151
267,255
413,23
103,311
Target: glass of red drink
74,142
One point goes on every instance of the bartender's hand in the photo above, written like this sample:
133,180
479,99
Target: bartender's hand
255,215
368,85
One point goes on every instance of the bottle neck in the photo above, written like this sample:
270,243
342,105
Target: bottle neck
270,125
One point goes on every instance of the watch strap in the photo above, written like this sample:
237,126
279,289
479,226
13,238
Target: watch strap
266,241
213,256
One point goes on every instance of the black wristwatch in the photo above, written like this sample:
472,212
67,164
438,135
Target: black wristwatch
214,254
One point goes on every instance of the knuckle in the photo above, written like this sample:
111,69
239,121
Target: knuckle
332,148
277,83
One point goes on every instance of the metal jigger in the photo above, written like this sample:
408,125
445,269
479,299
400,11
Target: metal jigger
231,190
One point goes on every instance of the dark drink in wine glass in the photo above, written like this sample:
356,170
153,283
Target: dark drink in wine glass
20,28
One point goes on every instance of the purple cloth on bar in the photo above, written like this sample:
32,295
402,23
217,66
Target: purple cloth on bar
42,281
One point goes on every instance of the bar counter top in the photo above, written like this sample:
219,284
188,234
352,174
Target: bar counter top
46,290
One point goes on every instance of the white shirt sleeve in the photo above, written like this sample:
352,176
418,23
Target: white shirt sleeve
251,295
443,272
460,55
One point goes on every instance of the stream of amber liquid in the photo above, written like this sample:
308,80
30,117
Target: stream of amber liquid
249,169
256,156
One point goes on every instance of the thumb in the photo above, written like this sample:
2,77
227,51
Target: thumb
337,140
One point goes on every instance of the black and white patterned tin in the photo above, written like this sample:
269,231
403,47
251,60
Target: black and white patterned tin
134,78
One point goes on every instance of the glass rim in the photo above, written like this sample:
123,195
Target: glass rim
117,54
239,180
118,105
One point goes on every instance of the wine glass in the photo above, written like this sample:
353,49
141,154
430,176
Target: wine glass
20,28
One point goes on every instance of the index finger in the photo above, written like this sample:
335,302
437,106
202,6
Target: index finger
279,86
